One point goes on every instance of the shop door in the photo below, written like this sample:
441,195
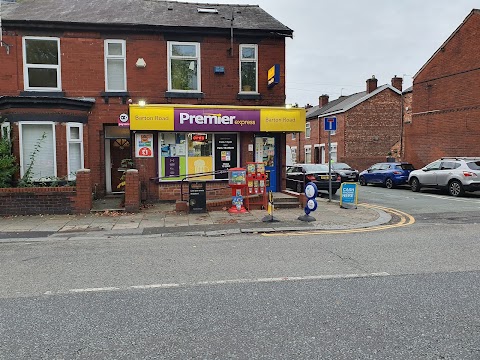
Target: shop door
119,150
265,152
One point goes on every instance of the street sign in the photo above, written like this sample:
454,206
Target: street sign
330,124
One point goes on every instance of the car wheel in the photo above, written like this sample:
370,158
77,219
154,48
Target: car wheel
415,185
455,188
389,183
299,187
362,181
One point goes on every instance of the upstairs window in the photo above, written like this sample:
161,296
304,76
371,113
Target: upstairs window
183,66
115,65
41,63
307,130
248,68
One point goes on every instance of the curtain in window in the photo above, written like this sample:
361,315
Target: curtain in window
41,137
116,74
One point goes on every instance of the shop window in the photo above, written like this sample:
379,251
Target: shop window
41,63
307,130
75,156
194,154
183,66
248,68
308,154
37,150
115,65
173,163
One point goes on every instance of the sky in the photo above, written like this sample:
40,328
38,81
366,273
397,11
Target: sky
338,44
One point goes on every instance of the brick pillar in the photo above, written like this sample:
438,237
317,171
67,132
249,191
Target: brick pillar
83,201
132,191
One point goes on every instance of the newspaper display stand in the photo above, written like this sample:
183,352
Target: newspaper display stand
256,185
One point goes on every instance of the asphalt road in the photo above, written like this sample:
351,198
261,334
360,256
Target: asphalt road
405,293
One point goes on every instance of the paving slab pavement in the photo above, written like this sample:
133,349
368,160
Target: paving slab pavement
162,219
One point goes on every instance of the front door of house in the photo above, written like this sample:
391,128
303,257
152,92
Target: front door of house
265,152
119,150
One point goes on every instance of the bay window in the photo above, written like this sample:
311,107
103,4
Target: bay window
74,149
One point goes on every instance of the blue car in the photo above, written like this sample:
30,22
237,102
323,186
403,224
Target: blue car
389,174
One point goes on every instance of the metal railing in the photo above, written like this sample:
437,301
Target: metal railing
187,177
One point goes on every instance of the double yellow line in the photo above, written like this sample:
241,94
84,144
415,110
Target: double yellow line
405,219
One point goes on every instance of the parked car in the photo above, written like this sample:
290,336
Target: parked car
346,172
390,174
299,174
455,174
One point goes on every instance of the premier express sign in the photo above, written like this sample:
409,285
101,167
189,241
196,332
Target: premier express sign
216,119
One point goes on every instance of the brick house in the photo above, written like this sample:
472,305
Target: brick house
446,109
368,126
91,83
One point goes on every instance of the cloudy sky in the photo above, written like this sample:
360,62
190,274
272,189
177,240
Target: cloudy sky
338,44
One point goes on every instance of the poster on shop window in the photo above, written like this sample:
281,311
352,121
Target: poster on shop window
143,145
225,153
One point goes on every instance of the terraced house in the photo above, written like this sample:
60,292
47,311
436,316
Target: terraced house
179,88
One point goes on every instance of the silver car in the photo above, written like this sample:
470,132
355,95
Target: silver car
455,174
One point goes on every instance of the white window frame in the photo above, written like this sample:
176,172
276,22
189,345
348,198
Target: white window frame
75,141
294,136
20,137
255,60
308,130
309,148
333,145
196,58
294,151
5,127
115,57
26,66
322,153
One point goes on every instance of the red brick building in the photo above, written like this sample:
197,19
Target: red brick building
369,124
446,107
74,74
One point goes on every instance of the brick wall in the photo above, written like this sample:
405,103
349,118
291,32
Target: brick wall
48,200
446,109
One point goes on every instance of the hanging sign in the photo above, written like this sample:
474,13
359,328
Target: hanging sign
144,145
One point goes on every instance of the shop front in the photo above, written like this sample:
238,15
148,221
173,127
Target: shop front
201,143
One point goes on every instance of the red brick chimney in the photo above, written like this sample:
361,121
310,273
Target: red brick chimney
322,100
397,82
371,84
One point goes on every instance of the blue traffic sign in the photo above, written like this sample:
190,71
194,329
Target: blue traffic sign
330,124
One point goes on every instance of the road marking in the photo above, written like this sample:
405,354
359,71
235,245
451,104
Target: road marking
405,220
452,198
218,282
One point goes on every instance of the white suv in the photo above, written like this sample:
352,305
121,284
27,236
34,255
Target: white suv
456,174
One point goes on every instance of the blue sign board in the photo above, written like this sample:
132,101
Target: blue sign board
330,123
348,194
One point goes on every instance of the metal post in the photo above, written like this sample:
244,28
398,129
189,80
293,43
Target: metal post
329,167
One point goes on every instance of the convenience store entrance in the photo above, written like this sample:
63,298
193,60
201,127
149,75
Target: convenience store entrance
265,152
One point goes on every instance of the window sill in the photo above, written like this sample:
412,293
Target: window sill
184,95
58,93
115,94
249,96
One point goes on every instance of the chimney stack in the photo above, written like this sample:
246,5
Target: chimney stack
322,100
371,84
397,82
